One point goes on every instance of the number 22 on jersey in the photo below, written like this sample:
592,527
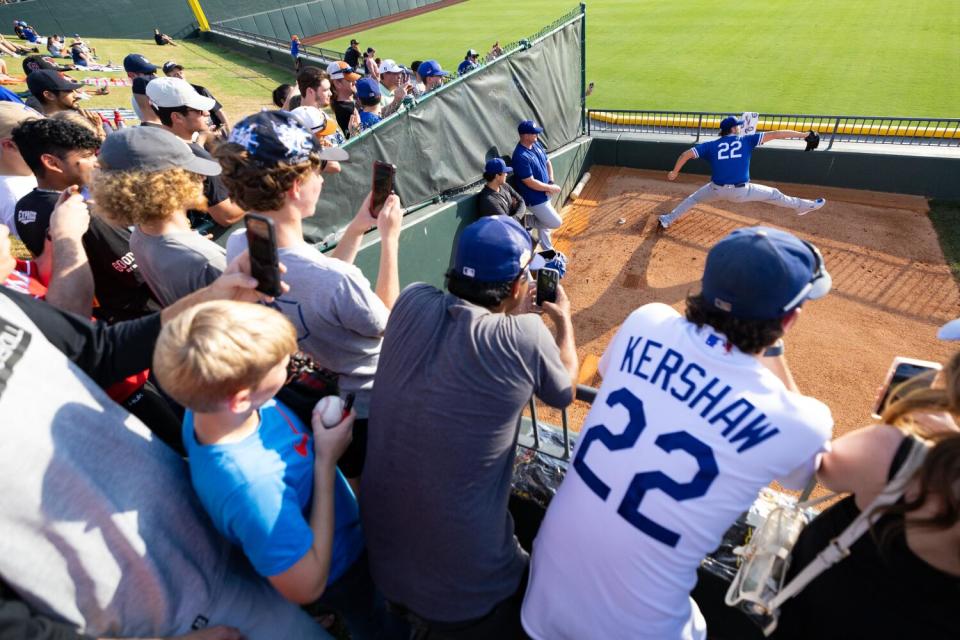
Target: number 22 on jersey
629,508
727,150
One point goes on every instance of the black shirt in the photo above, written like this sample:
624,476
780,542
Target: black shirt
216,115
343,109
140,84
214,191
352,57
120,290
505,202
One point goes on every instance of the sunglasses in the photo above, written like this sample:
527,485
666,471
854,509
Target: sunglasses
818,273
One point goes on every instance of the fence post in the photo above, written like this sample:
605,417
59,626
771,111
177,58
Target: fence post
699,126
583,68
836,125
536,423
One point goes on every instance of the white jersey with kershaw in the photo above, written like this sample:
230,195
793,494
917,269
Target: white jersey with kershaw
681,437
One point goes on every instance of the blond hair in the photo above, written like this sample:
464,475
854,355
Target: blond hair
215,349
138,197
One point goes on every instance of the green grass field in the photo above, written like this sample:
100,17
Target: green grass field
849,57
242,84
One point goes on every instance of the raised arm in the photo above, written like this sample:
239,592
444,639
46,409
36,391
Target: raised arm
785,134
687,155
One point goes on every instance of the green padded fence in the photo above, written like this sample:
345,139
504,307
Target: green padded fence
102,18
279,19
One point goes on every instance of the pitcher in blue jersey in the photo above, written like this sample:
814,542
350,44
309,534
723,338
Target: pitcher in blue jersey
729,158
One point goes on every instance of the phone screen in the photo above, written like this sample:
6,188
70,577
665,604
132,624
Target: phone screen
383,173
264,260
904,372
547,280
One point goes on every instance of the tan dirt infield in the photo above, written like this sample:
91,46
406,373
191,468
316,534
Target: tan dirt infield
891,286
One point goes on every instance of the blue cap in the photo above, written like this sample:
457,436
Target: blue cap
136,63
528,126
729,123
497,165
368,88
272,137
430,68
493,249
759,273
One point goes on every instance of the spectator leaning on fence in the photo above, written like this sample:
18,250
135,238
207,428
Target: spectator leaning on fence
706,405
533,173
295,51
470,62
368,93
370,67
455,373
183,112
352,55
395,85
432,74
344,80
149,178
16,178
274,168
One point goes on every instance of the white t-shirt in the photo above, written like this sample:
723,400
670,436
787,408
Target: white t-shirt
12,188
681,437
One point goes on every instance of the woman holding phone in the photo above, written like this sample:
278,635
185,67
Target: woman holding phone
902,578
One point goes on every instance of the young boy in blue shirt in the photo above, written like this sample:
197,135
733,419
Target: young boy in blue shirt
270,485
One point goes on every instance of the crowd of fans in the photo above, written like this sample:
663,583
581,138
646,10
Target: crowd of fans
215,503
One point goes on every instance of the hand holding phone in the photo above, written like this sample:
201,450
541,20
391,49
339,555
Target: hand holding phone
383,175
919,373
264,257
547,281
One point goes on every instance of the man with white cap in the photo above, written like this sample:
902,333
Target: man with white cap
184,112
395,85
344,78
325,128
695,415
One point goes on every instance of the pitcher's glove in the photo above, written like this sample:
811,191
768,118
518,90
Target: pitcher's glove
813,140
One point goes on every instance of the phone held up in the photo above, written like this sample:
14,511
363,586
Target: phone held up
383,174
547,281
264,259
919,373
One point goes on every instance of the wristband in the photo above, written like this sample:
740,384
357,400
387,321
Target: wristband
774,350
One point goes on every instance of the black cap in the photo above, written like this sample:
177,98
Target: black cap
136,63
36,63
354,41
170,65
47,80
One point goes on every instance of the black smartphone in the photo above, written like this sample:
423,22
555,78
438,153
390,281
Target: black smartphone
547,281
920,372
264,259
383,173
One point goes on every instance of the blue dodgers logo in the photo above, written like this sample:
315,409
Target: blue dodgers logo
245,136
297,141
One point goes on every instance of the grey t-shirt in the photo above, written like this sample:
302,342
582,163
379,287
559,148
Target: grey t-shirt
176,264
452,381
338,317
101,528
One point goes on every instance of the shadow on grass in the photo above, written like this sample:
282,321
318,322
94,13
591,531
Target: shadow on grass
945,216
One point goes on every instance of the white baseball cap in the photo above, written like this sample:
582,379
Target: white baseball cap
174,92
389,66
315,120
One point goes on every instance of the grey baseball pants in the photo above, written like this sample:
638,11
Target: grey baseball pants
750,192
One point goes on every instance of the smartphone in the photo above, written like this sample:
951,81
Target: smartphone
547,281
264,259
383,173
920,372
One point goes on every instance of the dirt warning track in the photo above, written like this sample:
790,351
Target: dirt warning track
891,289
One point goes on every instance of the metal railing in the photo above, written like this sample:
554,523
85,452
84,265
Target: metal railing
536,439
934,132
283,45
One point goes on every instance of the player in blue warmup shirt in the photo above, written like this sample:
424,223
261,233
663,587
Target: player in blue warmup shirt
729,158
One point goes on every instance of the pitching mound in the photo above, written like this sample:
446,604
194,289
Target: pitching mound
891,286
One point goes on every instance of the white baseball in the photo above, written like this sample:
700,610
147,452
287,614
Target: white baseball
329,410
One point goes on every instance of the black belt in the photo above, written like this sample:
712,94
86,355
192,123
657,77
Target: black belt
735,186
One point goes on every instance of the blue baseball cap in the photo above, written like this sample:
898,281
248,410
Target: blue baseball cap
430,68
274,137
497,165
759,273
368,88
729,123
528,126
493,249
136,63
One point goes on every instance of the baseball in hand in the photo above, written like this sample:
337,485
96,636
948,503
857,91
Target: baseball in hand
329,410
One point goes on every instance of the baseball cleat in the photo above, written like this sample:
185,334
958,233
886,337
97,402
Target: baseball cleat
818,203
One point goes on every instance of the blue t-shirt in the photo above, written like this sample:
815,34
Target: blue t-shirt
465,66
527,163
729,157
368,119
9,96
294,48
30,34
258,493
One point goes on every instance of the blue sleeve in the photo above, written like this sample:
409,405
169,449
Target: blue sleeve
752,140
704,150
265,518
521,166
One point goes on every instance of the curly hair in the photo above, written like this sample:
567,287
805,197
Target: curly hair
54,136
138,197
750,336
254,187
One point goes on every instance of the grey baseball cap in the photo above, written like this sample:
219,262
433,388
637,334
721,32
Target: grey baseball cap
151,149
